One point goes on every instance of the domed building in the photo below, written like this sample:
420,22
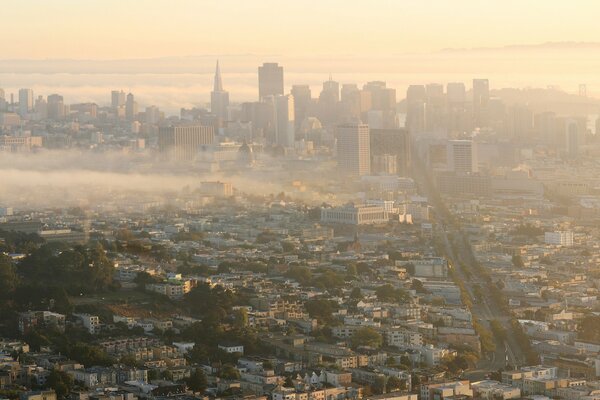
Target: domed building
308,125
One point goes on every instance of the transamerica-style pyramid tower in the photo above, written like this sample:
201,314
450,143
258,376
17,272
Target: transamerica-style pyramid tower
219,98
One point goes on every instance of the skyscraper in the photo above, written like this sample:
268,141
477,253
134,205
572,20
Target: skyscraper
572,138
130,108
302,99
270,80
328,101
219,98
456,93
393,142
481,100
25,101
415,109
284,117
117,99
332,88
354,149
56,107
434,110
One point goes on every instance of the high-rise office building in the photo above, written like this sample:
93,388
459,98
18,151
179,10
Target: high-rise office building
461,156
284,121
481,100
261,114
435,108
456,93
153,115
219,98
383,99
25,101
302,99
572,138
415,109
183,142
56,107
355,103
131,108
354,149
270,80
394,142
459,116
117,99
332,88
328,101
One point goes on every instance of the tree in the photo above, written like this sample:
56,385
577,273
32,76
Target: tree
394,384
229,372
241,318
321,309
356,294
288,246
212,303
60,382
367,336
498,330
415,381
8,277
388,293
302,275
197,381
328,280
417,286
129,360
351,270
517,261
378,385
590,328
143,278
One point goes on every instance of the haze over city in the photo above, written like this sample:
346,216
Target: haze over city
300,200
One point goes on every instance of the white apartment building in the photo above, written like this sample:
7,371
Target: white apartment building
90,322
559,238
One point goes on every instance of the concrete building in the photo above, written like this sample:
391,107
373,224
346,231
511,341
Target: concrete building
270,80
90,322
461,156
559,238
131,108
394,142
284,120
117,99
493,390
481,100
220,189
25,102
355,215
445,390
354,149
185,141
56,107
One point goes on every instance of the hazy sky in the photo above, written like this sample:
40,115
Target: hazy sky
153,28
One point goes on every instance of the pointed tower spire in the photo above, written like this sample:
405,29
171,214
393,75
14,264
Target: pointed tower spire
218,87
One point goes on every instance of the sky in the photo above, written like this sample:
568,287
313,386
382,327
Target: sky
125,29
